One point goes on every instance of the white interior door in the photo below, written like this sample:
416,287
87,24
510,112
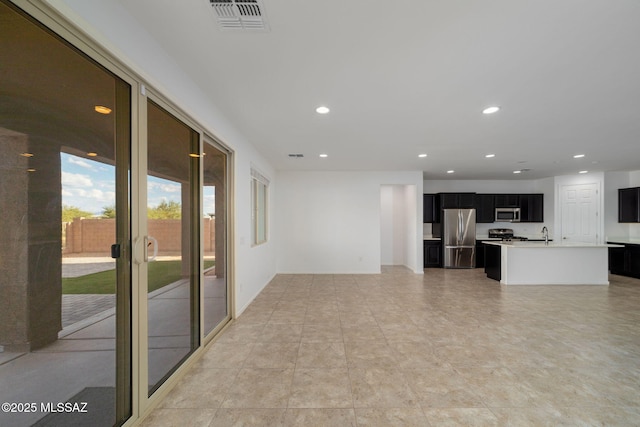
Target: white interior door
580,212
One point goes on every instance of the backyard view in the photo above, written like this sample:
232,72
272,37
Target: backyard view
161,273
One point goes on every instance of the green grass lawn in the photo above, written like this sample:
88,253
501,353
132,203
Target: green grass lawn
161,273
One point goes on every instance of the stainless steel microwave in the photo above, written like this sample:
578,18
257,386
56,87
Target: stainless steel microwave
507,215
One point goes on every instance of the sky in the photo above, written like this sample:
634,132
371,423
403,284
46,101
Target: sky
90,186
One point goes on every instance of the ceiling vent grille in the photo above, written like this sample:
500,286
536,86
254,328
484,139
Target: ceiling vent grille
240,14
296,155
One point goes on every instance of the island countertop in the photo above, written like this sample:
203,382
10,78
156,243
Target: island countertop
556,263
551,244
624,240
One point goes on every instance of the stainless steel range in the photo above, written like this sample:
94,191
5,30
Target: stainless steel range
506,234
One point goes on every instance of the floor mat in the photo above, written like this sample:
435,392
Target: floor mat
100,410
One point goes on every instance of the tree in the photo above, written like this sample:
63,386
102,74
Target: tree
69,213
109,211
165,210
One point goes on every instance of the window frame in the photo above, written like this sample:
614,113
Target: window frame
259,208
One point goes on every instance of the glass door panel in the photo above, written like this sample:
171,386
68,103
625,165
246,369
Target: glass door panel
65,271
173,242
215,237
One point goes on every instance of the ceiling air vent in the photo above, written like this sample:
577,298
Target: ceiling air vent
296,156
240,14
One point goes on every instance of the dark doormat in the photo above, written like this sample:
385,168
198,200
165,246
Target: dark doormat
99,410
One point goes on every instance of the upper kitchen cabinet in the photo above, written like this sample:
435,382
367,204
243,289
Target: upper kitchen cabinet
430,210
531,207
507,200
629,204
456,200
485,208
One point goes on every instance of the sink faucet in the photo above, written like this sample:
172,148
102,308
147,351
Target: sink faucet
545,231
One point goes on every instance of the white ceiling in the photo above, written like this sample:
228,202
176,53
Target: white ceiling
406,77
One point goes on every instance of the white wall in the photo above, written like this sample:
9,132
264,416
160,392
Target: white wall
254,266
397,205
330,222
413,219
392,225
397,224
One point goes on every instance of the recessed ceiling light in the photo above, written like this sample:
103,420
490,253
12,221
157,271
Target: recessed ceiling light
26,154
488,156
324,155
422,155
491,110
92,154
583,171
578,156
451,171
31,170
322,110
194,155
102,109
517,171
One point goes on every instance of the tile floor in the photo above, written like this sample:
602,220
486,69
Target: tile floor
398,349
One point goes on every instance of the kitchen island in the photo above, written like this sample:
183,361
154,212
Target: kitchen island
538,263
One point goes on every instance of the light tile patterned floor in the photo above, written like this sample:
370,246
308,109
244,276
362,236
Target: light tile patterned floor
399,349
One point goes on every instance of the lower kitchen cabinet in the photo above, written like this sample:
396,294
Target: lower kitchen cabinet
432,251
479,254
625,261
492,261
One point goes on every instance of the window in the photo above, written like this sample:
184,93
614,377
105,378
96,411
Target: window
259,203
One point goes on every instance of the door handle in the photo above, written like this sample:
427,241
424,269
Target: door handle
148,240
115,251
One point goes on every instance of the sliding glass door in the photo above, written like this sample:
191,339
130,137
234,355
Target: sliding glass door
215,210
65,258
173,245
114,219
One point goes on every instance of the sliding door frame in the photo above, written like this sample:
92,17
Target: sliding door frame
141,403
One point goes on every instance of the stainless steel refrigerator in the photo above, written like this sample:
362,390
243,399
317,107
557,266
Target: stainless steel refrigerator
459,238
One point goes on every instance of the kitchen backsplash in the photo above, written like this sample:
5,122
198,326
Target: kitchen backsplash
519,229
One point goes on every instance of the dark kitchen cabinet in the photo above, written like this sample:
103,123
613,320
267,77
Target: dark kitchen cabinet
432,250
507,200
479,254
531,207
430,210
625,261
485,208
492,261
629,204
456,200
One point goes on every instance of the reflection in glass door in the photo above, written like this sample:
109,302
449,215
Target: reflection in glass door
173,244
65,271
215,308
